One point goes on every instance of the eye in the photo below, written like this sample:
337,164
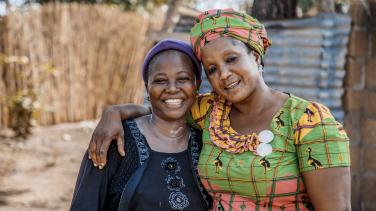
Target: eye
159,81
184,79
231,59
211,69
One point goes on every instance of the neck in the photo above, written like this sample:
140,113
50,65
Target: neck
261,98
167,129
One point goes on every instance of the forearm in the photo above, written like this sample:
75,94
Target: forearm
128,111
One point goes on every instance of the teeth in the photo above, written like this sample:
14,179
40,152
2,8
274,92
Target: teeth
174,101
232,85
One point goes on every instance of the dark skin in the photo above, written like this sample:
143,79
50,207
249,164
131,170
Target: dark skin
170,75
232,70
172,89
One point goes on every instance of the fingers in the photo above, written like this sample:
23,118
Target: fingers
92,150
102,151
120,145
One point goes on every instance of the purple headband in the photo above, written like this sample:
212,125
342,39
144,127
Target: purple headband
171,44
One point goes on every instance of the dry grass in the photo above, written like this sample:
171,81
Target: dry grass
76,58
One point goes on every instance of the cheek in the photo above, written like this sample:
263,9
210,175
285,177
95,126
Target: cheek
214,82
190,89
154,92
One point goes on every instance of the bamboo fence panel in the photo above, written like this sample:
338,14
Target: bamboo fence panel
76,58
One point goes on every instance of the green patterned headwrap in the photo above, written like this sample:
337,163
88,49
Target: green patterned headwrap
217,23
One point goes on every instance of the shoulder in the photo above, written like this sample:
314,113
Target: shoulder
133,138
315,120
131,130
200,109
207,96
296,107
205,100
311,112
129,123
196,134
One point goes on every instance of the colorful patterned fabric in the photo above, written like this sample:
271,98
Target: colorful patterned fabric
306,138
213,24
222,134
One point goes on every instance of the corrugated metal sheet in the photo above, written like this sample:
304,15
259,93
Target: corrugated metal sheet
308,58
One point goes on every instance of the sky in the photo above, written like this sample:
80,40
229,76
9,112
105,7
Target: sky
218,4
12,2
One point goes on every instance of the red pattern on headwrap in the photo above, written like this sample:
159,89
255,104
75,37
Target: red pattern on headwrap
214,24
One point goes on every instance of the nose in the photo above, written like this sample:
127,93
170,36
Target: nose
225,73
172,87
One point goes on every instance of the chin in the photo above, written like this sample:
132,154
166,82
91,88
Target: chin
237,98
174,115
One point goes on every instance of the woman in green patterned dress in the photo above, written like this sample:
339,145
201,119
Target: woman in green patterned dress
263,149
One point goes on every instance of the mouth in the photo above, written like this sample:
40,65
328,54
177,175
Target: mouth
173,103
232,85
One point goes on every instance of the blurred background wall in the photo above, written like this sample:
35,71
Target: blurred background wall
360,103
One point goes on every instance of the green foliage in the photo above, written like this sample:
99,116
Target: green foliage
22,106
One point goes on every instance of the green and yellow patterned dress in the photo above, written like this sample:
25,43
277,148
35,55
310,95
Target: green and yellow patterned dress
306,138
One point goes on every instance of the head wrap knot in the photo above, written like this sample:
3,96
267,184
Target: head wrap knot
217,23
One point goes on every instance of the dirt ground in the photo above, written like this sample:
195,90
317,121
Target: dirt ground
39,173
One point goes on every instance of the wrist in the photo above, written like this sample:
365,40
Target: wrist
111,112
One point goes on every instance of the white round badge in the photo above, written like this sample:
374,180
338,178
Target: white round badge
266,136
264,149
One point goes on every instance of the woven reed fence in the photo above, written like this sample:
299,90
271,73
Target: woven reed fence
70,59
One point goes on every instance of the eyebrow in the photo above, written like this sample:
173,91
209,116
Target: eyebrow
158,74
184,70
230,51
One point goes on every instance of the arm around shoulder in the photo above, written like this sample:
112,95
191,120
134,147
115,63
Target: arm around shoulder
109,128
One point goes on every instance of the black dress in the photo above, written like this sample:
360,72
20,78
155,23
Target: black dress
132,182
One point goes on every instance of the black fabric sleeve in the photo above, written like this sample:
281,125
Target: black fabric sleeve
92,183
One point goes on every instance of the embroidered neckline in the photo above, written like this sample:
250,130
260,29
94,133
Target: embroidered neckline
224,136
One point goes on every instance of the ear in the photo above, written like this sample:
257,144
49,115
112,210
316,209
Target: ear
257,57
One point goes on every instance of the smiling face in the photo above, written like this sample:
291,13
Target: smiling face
231,68
171,85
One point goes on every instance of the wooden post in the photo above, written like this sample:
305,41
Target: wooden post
173,7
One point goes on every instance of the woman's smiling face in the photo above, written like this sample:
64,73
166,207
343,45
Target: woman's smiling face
231,68
171,84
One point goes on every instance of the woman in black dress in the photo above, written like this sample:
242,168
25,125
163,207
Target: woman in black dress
158,171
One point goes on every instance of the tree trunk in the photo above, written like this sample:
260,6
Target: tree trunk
274,9
172,12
